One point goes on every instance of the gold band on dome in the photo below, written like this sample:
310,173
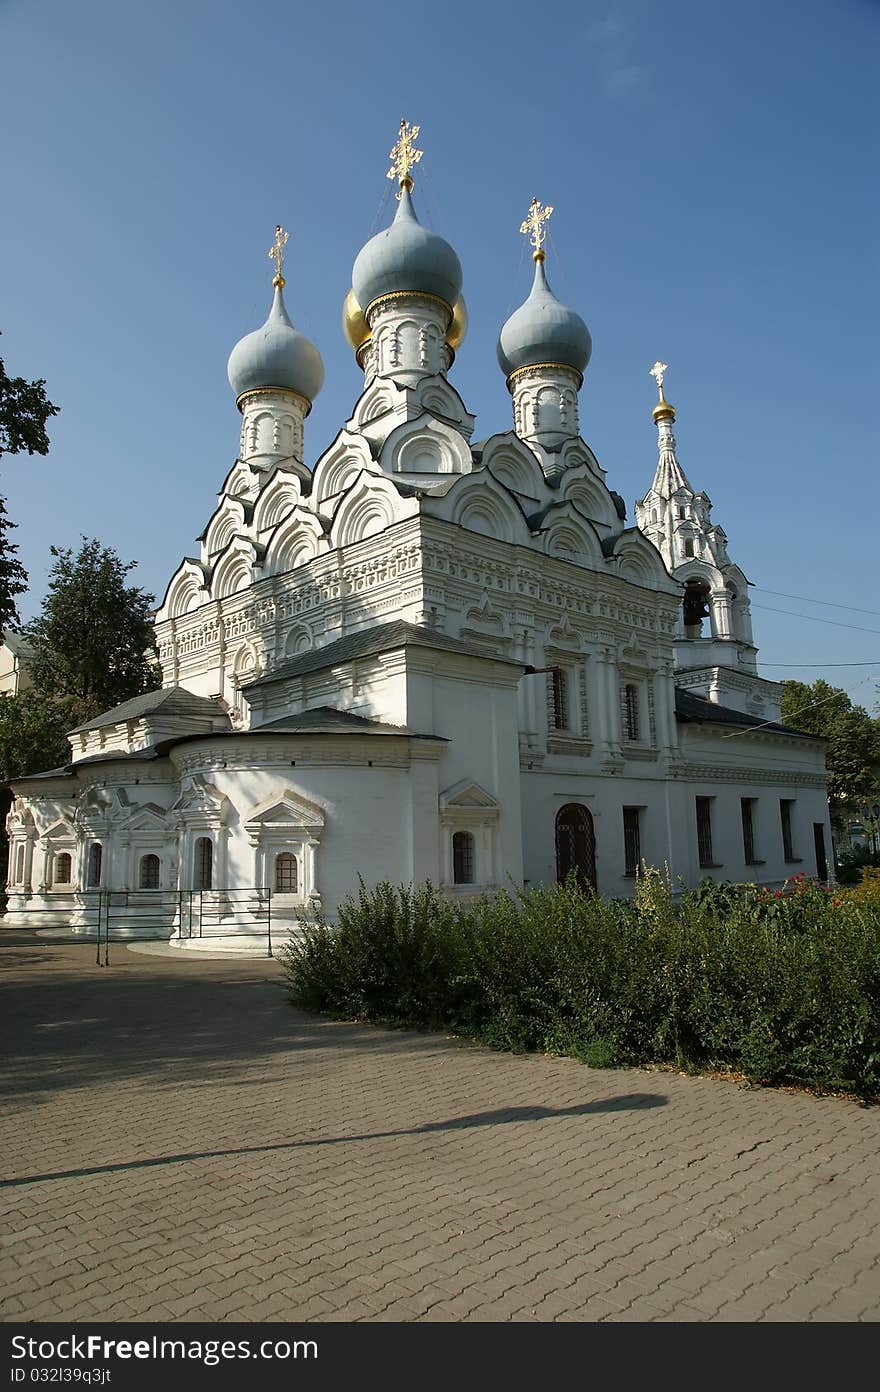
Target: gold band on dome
536,367
408,295
241,401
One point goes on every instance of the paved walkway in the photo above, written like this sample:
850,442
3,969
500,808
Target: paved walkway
181,1144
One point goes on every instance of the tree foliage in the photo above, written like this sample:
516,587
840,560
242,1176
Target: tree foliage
33,733
24,411
13,576
853,751
93,641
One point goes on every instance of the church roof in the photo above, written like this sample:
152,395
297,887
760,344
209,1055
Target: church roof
368,642
690,708
327,720
171,700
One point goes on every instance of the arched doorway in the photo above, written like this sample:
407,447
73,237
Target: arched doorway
576,844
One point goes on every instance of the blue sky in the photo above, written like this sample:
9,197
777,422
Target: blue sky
713,170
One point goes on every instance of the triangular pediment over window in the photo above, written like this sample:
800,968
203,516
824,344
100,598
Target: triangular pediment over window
470,796
288,810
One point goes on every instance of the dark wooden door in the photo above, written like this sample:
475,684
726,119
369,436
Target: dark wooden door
576,844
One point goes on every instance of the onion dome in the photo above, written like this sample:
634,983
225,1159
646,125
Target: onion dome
276,355
543,331
406,258
664,410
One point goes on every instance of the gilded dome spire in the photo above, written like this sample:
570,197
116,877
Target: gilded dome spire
664,410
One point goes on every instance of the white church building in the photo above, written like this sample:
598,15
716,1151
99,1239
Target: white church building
429,657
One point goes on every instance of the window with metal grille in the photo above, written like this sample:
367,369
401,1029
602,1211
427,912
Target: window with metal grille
704,830
149,872
631,711
560,699
63,868
96,855
785,806
203,865
286,873
19,865
746,806
463,857
631,843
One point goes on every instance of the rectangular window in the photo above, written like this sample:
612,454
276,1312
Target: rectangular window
632,850
748,824
689,547
631,711
704,831
560,699
785,806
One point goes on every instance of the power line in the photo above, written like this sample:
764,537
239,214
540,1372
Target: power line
814,618
821,664
793,715
852,608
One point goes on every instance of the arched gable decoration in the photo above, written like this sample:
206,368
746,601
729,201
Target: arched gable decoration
186,591
592,500
437,396
340,465
240,482
371,505
296,540
425,446
278,498
515,466
481,504
569,535
234,570
229,520
635,558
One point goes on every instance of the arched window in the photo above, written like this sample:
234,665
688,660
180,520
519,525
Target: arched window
653,514
286,873
63,868
96,855
576,844
19,865
149,872
463,857
203,863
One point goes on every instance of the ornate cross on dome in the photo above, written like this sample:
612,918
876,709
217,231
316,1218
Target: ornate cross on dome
276,254
658,372
534,228
404,154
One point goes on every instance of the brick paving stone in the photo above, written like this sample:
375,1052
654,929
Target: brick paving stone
179,1143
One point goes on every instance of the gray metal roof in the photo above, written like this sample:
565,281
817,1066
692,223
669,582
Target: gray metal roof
690,708
171,700
368,642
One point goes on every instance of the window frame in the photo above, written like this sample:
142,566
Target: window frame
785,817
464,841
279,865
703,809
632,840
199,862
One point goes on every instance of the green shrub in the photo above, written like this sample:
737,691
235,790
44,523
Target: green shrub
783,986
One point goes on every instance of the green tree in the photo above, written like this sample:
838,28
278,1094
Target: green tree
13,576
853,750
93,641
33,733
24,411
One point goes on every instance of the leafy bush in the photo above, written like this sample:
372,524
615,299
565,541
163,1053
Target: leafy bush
783,986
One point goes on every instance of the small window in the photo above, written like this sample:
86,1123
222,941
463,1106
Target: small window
748,826
204,863
560,699
689,547
653,514
463,857
681,514
632,850
63,868
19,865
96,855
785,806
704,831
631,711
286,874
149,872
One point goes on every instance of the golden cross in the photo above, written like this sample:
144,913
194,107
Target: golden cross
658,372
404,154
276,254
533,227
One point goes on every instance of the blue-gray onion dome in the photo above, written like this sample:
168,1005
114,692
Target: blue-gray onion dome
543,330
276,355
406,257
